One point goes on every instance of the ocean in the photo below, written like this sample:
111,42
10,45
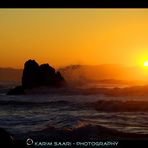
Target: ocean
22,115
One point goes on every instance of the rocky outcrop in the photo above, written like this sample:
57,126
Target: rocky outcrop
18,90
6,139
35,75
31,74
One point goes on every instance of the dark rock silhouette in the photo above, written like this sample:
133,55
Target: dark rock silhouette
5,138
31,74
48,76
18,90
35,75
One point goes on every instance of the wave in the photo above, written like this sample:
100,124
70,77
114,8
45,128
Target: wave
101,105
33,103
108,90
83,131
121,106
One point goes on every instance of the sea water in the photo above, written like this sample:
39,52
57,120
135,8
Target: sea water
28,113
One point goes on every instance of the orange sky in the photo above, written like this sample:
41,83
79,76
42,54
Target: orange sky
73,36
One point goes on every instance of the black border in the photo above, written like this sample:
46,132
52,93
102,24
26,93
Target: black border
80,4
73,4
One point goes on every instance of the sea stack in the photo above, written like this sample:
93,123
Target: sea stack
35,75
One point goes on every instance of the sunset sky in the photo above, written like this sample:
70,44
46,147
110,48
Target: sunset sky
73,36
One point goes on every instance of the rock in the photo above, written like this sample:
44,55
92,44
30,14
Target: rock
35,75
47,75
43,75
31,74
60,79
18,90
5,138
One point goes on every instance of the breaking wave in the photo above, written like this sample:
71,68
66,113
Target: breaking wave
101,105
83,131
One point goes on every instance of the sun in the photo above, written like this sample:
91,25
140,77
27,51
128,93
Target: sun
146,63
